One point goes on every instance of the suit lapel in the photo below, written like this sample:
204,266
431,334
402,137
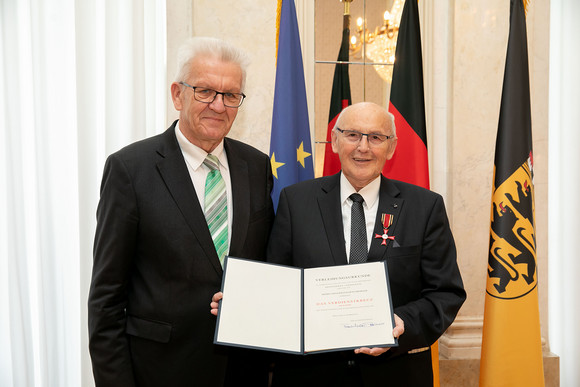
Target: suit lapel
389,203
240,196
330,210
174,172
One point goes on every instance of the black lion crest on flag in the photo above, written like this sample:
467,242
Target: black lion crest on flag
512,244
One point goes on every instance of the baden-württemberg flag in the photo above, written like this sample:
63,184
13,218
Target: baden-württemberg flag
290,143
511,353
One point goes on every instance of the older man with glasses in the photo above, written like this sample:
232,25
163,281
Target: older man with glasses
172,207
356,216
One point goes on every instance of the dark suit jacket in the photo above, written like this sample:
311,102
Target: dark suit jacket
426,286
155,266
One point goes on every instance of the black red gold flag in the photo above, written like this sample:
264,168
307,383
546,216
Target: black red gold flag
407,103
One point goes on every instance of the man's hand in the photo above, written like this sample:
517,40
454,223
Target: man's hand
214,303
376,351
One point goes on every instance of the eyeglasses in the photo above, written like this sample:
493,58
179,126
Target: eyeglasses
204,95
354,137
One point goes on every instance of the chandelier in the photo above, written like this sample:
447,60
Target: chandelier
379,45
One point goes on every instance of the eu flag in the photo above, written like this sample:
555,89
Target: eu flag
290,144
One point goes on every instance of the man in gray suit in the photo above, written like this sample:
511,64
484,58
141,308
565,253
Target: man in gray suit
172,206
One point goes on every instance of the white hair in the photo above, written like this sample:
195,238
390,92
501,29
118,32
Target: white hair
379,108
212,47
392,119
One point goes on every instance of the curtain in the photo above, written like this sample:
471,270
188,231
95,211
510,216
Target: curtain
563,205
79,79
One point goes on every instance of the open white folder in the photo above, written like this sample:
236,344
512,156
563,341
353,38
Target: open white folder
288,309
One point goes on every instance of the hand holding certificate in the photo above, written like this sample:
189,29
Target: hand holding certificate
295,310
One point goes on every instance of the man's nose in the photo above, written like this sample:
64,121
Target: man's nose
218,103
363,144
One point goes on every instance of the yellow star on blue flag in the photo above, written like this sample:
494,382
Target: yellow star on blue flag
301,155
290,144
275,165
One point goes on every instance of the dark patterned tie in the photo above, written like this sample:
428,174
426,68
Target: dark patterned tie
358,231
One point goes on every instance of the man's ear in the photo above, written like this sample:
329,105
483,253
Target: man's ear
334,141
176,91
392,147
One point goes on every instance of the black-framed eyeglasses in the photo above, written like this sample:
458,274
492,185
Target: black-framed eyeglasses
206,95
354,136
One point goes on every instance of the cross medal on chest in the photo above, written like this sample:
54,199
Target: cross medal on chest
387,220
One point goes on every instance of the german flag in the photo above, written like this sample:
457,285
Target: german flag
339,99
511,352
407,103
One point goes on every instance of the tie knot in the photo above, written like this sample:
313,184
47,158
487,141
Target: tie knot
211,162
356,198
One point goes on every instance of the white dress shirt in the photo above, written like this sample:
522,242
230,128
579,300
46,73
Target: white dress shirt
370,194
194,157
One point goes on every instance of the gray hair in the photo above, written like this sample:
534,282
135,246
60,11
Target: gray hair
212,47
392,119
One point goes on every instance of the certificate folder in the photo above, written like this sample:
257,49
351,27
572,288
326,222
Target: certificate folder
302,311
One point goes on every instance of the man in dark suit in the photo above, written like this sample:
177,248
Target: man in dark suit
163,229
313,228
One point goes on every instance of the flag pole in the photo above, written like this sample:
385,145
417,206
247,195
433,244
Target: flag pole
346,8
346,16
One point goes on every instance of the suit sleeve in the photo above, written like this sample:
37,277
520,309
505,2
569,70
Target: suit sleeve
280,242
441,289
114,249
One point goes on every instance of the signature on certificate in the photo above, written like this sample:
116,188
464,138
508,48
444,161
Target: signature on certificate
363,324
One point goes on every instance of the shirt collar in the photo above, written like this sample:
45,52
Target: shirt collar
370,192
194,155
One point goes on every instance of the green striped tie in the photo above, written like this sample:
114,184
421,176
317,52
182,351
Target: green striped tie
216,207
